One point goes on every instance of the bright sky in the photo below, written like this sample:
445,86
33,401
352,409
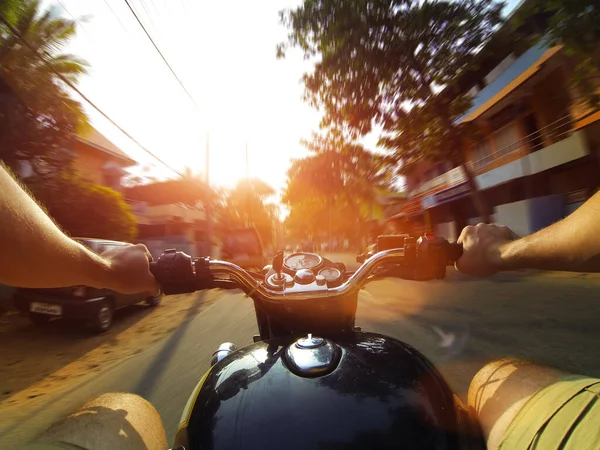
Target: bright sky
224,52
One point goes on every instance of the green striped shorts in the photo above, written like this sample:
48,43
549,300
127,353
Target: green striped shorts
564,415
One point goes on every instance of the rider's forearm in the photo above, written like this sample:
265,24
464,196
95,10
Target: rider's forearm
573,244
34,252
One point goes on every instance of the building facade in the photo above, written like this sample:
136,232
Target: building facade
170,215
99,160
537,158
96,158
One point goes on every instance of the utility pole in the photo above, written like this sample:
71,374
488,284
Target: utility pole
248,217
247,164
208,204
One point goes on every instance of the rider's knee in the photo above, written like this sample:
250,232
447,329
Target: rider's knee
501,388
508,379
112,421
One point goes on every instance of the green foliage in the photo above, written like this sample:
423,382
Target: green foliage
575,24
247,205
387,62
334,189
38,118
85,209
377,55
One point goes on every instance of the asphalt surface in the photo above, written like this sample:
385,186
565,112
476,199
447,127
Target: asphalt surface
460,323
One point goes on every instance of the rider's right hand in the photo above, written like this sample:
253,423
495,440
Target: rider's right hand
482,249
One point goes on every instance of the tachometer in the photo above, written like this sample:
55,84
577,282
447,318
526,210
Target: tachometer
330,273
297,261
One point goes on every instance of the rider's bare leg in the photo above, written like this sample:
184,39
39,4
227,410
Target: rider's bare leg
112,421
501,388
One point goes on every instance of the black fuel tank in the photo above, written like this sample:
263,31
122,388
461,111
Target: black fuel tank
383,394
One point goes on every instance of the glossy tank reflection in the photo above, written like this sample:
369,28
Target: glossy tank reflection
379,394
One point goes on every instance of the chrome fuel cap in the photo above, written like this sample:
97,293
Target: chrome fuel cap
312,356
310,342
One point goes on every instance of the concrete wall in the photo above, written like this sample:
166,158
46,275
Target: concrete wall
515,216
528,216
90,161
447,230
562,152
160,213
571,208
476,220
545,211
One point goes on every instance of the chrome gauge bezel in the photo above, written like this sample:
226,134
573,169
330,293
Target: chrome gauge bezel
339,272
285,264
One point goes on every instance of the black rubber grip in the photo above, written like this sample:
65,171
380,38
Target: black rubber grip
455,251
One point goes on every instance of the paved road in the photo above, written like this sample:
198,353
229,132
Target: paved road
460,323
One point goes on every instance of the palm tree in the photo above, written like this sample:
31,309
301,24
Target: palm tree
38,117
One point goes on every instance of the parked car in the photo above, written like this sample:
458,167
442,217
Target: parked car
243,246
94,306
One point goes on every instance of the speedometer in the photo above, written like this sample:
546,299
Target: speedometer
297,261
330,273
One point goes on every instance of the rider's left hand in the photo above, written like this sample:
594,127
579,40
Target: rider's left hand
129,270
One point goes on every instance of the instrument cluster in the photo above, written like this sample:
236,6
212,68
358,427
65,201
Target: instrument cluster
303,268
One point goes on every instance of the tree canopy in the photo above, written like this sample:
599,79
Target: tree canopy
376,56
336,188
575,24
248,205
386,63
85,209
38,118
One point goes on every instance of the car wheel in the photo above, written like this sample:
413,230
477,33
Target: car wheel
103,318
39,319
154,301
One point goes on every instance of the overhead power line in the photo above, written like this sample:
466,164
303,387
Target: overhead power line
163,56
117,17
74,19
16,32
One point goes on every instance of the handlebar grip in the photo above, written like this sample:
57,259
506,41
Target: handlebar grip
455,251
178,273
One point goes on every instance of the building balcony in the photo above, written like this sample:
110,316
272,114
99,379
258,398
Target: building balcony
450,178
545,149
549,147
166,213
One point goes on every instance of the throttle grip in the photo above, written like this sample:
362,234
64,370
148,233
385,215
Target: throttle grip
454,252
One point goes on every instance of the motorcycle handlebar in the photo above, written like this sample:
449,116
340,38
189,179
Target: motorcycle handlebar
179,273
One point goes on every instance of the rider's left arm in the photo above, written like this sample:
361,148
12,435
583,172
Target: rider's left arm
35,253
